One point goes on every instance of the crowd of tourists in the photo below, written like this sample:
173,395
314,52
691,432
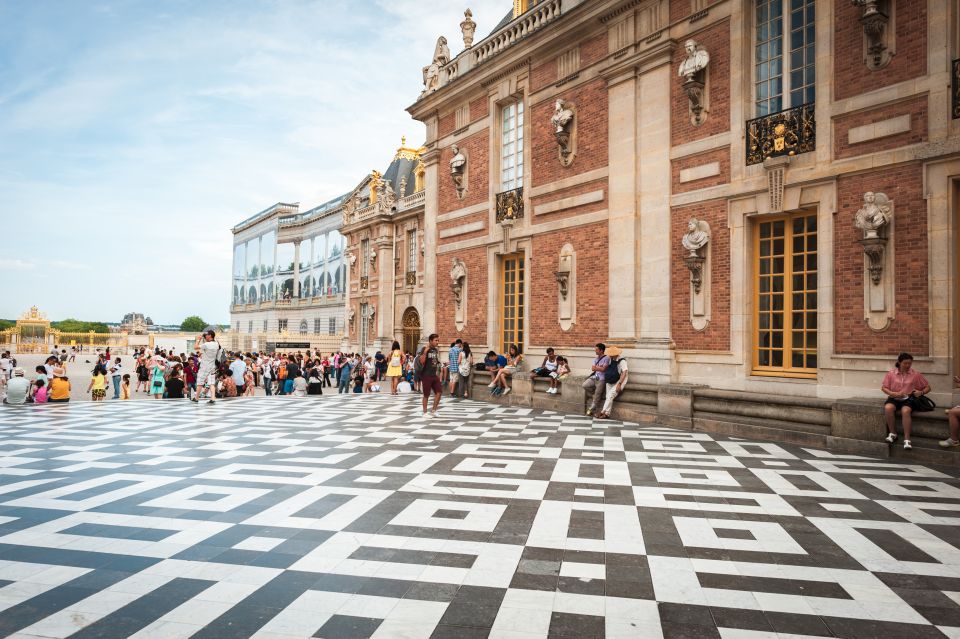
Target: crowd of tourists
212,372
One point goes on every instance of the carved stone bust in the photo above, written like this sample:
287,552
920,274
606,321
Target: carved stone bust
875,214
458,164
458,273
696,61
695,238
562,116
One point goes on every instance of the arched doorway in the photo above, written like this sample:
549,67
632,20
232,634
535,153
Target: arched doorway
411,330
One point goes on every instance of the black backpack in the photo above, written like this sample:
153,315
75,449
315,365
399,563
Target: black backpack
417,366
612,374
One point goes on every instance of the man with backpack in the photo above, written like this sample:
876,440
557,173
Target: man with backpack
426,368
595,384
615,378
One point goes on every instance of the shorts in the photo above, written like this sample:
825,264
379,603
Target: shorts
454,376
431,383
900,403
99,393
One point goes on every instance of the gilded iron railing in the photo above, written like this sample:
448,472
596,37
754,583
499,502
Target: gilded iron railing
411,278
364,282
788,132
955,90
510,204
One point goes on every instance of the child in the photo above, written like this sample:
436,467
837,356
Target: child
557,376
98,384
125,387
40,392
358,379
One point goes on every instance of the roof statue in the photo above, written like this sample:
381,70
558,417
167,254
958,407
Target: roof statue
431,72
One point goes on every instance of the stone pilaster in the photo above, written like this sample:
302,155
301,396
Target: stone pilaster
431,204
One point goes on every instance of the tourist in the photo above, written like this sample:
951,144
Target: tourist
238,369
563,371
615,378
325,370
143,374
314,383
18,388
395,367
293,369
595,385
209,351
59,386
453,365
39,392
51,363
73,354
125,387
175,385
42,376
6,365
902,385
548,369
953,417
116,374
359,371
345,370
249,383
158,376
98,383
190,369
299,387
493,363
428,367
464,369
267,372
226,386
514,360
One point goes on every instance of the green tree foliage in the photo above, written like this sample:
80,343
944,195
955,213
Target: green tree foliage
193,324
71,325
5,324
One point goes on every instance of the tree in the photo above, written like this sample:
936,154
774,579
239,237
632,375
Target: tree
193,324
71,325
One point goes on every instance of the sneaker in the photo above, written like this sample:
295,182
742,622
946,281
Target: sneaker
433,414
589,412
892,437
210,401
427,415
907,445
491,385
506,391
949,443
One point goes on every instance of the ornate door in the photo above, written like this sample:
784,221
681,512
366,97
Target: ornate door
411,330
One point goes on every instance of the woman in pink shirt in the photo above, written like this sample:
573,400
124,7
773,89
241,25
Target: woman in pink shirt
902,385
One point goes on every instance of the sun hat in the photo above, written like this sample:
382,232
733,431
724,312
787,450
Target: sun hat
59,372
18,372
613,351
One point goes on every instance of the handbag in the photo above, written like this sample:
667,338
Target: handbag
923,404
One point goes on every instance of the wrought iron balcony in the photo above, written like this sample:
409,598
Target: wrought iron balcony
411,278
788,132
510,205
364,282
955,90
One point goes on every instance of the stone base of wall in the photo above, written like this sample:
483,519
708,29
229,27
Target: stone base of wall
851,426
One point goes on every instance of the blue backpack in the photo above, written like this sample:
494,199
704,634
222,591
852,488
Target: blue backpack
612,374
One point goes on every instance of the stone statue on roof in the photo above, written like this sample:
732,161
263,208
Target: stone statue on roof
431,72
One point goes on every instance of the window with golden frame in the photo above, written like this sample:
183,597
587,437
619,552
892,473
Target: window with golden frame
785,303
512,298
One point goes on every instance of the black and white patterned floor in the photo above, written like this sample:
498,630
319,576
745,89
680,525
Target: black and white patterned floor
352,516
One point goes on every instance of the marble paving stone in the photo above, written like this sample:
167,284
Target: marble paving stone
352,516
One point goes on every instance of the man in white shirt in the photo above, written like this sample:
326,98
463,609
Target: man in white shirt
237,369
266,371
17,389
6,364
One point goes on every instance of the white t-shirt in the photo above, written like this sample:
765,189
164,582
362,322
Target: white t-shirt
17,389
115,369
299,387
404,387
238,368
621,368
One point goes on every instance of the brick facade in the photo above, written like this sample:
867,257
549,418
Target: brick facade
561,194
915,107
590,101
590,244
720,156
716,40
850,74
475,328
476,150
716,335
909,331
461,221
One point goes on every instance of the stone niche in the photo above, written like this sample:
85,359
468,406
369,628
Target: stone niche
875,218
566,276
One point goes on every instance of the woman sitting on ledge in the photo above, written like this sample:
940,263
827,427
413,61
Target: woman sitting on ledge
953,415
514,359
902,385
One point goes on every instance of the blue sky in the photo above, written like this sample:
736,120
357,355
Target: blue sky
135,133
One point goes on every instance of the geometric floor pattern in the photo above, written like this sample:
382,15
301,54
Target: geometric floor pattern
353,517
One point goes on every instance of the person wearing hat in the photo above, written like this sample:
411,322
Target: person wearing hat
615,377
18,388
59,390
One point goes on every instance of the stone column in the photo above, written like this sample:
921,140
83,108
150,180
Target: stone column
622,281
387,272
653,189
296,269
431,204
